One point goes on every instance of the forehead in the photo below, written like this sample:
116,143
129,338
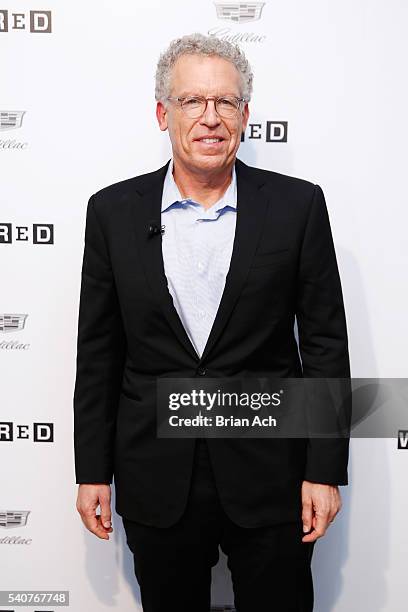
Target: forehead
207,75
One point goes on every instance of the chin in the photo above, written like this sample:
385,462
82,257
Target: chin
211,161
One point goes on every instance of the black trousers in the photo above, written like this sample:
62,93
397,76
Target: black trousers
270,566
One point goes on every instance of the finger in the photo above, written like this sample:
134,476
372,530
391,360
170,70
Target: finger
332,516
307,514
102,526
334,509
312,536
94,525
320,524
103,529
106,516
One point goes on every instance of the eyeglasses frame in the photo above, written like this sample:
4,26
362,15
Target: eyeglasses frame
180,99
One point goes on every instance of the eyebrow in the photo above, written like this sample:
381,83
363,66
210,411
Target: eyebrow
184,94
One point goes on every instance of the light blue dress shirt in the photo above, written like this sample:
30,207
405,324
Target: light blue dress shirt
197,247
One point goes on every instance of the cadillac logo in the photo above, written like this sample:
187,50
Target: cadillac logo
13,518
11,120
12,322
240,12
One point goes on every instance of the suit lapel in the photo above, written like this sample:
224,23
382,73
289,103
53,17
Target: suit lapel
251,210
146,211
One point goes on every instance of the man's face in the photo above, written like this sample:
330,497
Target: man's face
204,76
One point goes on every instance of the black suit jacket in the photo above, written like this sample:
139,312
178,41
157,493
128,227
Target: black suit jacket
283,266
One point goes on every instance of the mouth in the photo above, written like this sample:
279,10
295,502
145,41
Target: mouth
214,141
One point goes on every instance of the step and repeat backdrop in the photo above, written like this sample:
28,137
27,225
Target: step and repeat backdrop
77,112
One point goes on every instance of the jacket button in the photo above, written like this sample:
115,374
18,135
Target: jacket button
201,371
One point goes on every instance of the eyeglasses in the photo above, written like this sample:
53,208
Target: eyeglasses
195,106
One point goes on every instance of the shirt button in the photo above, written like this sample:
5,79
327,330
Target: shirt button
201,371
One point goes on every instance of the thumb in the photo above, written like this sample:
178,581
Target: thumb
307,514
106,517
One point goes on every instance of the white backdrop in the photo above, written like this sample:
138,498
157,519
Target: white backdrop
336,73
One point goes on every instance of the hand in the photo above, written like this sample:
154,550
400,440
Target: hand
90,496
320,504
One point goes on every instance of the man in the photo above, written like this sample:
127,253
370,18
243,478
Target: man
243,252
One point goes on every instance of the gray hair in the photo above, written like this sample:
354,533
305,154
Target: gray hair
199,44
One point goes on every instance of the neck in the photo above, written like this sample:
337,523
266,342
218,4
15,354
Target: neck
203,187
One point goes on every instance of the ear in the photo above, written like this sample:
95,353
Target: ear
161,114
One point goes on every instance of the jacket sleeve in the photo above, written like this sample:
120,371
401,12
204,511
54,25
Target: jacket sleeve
101,348
323,342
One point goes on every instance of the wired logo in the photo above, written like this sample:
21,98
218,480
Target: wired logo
403,439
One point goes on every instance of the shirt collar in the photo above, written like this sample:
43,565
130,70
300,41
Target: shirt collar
171,193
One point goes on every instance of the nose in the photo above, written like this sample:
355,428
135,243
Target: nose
210,117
